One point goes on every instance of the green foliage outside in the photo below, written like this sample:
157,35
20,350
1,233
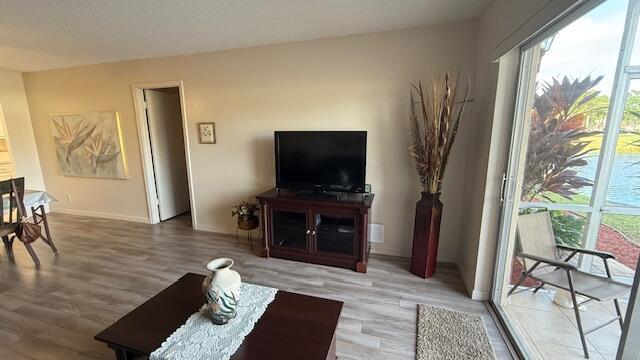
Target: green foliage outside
568,228
558,146
595,111
557,138
566,127
627,143
627,225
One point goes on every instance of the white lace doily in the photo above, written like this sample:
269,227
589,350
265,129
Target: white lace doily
199,338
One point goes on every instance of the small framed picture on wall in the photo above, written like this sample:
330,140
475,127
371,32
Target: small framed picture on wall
207,133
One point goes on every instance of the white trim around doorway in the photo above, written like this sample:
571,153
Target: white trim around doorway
145,147
3,123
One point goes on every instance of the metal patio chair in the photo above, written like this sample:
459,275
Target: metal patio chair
539,247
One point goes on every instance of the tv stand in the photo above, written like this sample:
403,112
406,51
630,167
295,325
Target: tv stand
329,229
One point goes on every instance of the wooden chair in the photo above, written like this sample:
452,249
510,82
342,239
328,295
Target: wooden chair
12,210
39,216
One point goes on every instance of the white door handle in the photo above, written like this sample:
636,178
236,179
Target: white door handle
503,187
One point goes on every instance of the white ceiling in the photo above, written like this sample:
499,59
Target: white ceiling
46,34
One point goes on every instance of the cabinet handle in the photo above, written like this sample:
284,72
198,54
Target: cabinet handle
308,231
313,232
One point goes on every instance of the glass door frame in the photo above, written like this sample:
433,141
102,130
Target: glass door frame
624,75
512,180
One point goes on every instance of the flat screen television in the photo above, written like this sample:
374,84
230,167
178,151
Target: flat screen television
321,160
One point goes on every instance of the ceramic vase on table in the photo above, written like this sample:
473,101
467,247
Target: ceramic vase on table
221,289
426,235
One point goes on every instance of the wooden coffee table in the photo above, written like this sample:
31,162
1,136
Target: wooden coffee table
294,326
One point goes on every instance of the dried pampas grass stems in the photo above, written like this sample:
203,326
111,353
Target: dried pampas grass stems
435,115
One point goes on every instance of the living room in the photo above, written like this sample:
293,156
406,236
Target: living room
139,209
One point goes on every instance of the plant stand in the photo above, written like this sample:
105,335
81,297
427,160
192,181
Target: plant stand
249,237
247,223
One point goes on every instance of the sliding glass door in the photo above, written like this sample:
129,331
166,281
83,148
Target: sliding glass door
575,153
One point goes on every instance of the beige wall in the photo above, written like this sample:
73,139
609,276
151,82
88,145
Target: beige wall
19,131
503,22
348,83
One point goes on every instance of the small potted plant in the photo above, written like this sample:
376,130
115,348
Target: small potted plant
246,213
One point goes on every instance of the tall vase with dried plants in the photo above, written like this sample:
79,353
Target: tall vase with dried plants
435,115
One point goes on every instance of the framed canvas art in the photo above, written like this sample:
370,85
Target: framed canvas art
89,144
207,133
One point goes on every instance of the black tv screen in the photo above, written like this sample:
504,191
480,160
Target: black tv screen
321,160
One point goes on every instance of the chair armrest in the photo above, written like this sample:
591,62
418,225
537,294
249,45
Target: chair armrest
557,263
602,254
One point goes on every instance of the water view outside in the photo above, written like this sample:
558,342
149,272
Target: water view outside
574,83
624,185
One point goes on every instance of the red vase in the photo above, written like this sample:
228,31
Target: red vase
426,234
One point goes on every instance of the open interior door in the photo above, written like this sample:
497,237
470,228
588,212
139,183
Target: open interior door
164,119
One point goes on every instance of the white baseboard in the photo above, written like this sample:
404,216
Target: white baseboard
447,259
220,229
399,253
480,295
388,252
229,233
476,294
102,215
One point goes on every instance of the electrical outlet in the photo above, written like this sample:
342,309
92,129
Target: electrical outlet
68,197
376,233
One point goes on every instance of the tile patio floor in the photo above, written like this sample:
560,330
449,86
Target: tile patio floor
552,330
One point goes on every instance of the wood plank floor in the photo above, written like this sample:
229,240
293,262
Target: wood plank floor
106,268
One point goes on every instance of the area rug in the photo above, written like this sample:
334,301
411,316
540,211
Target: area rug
448,334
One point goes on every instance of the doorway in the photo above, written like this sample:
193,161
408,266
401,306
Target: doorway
7,169
165,154
575,153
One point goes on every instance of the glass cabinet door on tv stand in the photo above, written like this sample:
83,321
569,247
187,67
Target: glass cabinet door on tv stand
335,233
290,229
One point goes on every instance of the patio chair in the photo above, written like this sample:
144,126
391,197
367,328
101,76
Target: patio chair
539,247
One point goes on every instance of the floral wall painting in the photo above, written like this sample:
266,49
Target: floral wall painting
89,144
